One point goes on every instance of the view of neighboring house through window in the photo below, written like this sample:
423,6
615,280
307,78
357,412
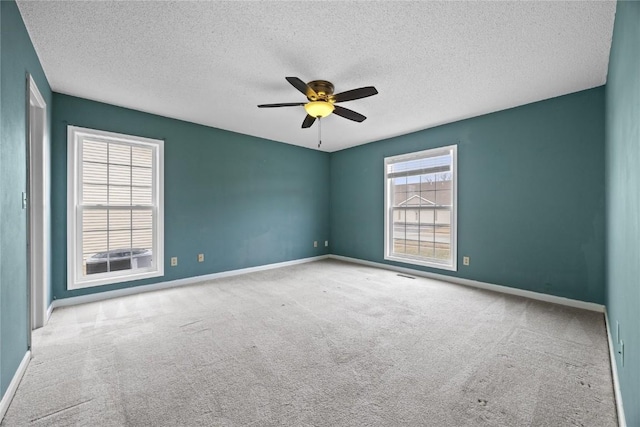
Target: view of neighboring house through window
420,215
115,212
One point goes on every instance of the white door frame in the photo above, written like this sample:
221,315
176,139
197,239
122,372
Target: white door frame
38,202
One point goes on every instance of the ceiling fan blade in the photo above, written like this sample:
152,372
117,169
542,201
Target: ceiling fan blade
301,86
361,92
308,121
348,114
286,104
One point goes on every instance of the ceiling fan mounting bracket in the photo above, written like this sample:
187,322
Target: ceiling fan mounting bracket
322,88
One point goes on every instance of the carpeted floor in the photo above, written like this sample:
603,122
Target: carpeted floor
320,344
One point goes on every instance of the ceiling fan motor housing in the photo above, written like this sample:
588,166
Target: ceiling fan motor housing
322,88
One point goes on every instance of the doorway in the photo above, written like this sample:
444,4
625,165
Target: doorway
38,207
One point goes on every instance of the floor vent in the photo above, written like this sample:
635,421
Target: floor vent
404,275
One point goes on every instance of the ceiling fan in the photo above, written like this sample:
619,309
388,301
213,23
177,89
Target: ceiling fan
322,100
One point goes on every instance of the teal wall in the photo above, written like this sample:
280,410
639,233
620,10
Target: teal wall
240,200
623,200
17,59
530,196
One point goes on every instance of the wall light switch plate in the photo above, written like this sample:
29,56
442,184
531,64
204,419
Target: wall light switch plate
200,257
326,243
315,243
174,261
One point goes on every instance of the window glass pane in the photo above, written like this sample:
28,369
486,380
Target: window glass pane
94,173
94,252
142,156
120,175
94,242
120,259
141,258
443,189
399,227
94,151
443,234
443,217
426,249
141,177
399,246
142,219
400,184
119,154
119,195
413,187
427,232
141,196
427,216
119,220
399,198
94,194
143,239
428,198
119,241
427,182
442,252
94,220
412,246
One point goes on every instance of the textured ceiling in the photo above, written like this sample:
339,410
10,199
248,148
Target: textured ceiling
213,62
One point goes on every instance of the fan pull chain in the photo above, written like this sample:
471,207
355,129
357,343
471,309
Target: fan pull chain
319,131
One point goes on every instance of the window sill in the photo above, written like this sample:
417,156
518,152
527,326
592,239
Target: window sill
113,279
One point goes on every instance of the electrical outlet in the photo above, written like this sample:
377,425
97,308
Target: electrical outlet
200,257
174,261
326,243
315,243
465,260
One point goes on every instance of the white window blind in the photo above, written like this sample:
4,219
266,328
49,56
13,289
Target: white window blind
420,208
115,207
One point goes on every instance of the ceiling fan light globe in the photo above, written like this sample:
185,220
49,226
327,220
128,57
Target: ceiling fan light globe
319,108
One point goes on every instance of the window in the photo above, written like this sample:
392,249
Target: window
115,208
420,210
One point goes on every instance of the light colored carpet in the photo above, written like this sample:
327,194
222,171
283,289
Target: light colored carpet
320,344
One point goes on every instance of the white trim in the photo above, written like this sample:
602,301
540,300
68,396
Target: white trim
13,386
622,422
38,204
75,277
49,311
100,296
481,285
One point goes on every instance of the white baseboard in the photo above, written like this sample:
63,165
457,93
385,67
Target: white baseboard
622,422
13,386
49,311
196,279
481,285
100,296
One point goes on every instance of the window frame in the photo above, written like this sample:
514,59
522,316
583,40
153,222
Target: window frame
388,208
75,278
